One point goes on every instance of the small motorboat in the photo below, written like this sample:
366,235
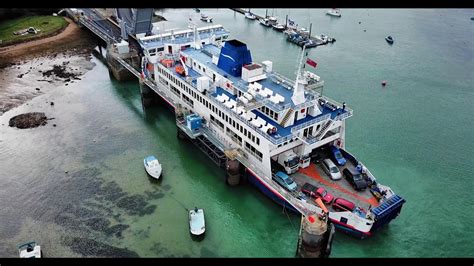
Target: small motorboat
197,224
250,15
29,250
152,166
206,18
272,19
304,31
265,22
278,27
334,12
389,39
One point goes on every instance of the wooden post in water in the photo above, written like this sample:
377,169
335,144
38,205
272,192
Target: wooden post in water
233,169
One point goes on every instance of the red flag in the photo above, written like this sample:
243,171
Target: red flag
311,62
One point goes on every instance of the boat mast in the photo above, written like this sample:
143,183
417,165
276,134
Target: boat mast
197,40
300,82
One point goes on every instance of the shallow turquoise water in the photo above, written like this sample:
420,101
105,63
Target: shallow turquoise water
415,135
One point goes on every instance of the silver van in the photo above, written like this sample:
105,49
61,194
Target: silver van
331,169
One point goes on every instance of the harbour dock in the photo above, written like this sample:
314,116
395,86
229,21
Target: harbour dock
297,36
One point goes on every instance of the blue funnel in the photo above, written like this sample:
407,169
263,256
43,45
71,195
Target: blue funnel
233,56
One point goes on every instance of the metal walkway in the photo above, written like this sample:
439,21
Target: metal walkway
95,22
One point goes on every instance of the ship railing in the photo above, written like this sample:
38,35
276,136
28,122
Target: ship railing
303,207
311,122
281,78
264,134
334,104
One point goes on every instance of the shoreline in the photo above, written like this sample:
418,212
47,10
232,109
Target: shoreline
12,53
36,67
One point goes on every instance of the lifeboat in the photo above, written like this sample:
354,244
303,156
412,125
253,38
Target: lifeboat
167,62
180,70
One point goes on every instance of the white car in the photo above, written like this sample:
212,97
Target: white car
331,169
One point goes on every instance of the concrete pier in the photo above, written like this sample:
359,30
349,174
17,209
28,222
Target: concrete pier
116,68
315,238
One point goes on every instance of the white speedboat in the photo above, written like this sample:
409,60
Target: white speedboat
250,15
334,12
278,27
206,18
265,22
152,166
304,31
273,19
197,224
29,250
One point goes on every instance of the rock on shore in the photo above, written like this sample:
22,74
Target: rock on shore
28,120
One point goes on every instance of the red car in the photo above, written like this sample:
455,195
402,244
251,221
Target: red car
324,195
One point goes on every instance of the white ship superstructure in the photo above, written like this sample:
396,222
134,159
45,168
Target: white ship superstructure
267,121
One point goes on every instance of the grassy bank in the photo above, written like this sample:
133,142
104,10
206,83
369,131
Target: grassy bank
49,25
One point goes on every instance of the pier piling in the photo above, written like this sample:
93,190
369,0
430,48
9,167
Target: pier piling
233,172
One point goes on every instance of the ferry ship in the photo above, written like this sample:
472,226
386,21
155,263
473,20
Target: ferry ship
269,123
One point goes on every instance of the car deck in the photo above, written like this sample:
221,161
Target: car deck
315,175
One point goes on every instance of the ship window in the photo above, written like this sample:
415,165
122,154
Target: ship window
317,128
160,49
203,70
253,138
343,220
305,132
258,141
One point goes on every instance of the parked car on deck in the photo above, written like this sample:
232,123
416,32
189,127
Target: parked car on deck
309,190
331,169
341,204
337,156
285,181
355,178
324,195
